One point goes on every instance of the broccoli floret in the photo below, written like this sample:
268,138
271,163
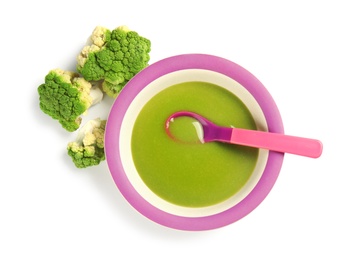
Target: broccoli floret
88,148
65,96
114,57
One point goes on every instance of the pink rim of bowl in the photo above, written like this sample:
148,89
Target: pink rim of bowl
169,65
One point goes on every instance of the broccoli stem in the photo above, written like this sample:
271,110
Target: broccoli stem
96,94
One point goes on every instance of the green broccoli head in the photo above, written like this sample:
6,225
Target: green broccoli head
65,96
88,148
114,57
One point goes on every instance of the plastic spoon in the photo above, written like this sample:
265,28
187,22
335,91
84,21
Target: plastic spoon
253,138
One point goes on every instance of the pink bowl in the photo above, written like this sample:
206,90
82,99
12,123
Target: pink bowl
141,81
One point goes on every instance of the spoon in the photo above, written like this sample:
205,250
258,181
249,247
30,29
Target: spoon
253,138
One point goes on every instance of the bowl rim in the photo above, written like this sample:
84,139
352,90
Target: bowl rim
144,78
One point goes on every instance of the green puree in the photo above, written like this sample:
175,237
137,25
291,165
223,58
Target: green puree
192,175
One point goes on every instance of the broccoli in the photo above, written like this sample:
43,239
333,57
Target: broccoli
65,96
88,148
113,57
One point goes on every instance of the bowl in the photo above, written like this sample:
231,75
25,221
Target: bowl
191,187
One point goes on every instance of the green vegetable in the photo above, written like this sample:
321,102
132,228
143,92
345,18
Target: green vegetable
113,57
104,66
88,148
65,96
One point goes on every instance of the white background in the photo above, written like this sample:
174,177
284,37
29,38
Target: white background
308,54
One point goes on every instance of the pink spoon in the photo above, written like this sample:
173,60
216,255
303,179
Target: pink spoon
253,138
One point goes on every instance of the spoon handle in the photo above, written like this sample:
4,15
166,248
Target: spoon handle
277,142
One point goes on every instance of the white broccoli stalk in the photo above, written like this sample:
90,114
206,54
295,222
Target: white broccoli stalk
96,93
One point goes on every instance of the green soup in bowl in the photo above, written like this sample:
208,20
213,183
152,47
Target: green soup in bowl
192,175
190,186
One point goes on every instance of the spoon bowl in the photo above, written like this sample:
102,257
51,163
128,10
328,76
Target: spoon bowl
210,131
